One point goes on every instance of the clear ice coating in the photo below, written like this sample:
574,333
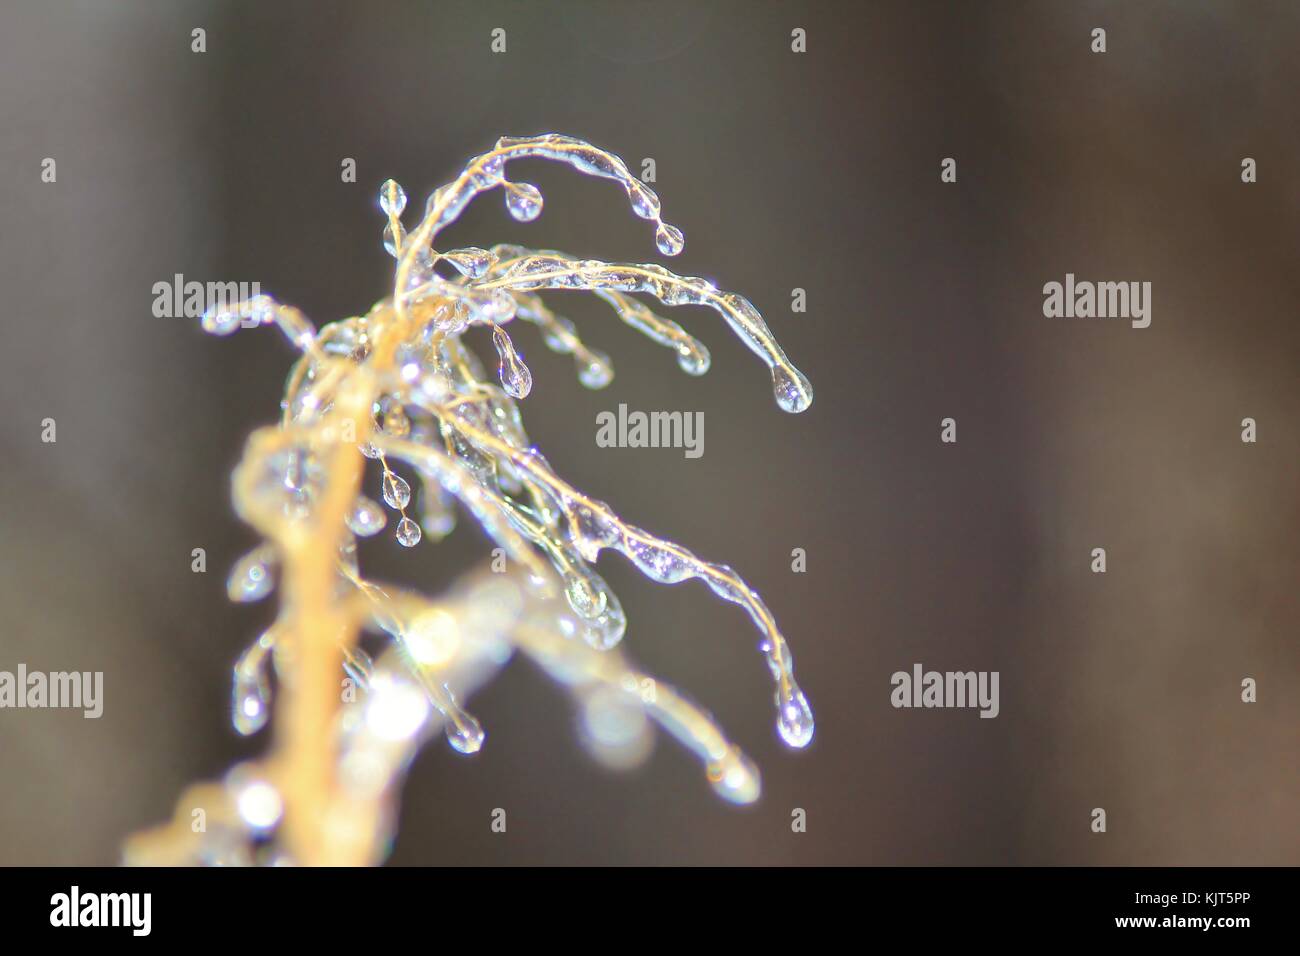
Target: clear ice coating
401,386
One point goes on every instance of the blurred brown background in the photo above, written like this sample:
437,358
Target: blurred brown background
818,171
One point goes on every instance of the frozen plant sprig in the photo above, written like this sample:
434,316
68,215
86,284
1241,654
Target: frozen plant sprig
399,386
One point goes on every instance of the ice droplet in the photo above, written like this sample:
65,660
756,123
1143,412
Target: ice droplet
582,595
220,321
794,716
606,630
660,564
408,533
792,389
252,577
693,359
669,239
523,201
251,705
366,518
644,201
601,621
392,198
471,261
466,735
396,491
596,371
516,379
251,693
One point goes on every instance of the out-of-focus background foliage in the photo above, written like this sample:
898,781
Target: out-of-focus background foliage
818,171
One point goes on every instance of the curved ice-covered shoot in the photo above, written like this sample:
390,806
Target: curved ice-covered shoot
555,271
592,526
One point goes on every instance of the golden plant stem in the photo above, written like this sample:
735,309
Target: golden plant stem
319,819
323,826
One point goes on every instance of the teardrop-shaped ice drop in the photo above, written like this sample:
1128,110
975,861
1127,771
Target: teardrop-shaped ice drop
516,379
220,320
392,198
250,705
669,239
366,518
606,630
396,491
659,564
602,622
470,261
644,201
465,735
408,533
693,359
523,201
792,389
251,693
252,578
794,717
585,591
